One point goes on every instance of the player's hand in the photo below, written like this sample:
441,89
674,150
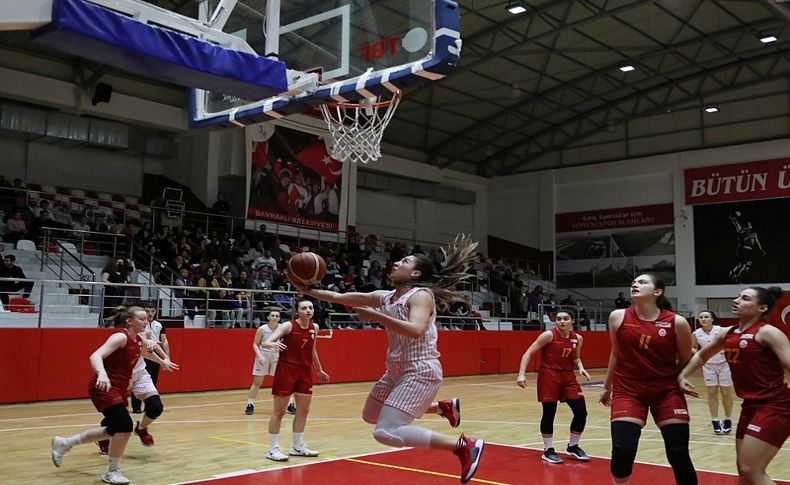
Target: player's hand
687,387
606,397
278,346
367,313
324,376
103,382
521,381
150,345
585,374
170,366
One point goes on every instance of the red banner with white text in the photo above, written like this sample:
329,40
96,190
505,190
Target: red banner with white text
767,179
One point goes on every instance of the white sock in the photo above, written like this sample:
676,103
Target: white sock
73,441
298,440
114,464
574,439
727,417
251,401
274,440
548,443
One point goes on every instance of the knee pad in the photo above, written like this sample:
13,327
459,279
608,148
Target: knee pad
579,421
625,442
387,437
153,407
117,420
676,444
547,418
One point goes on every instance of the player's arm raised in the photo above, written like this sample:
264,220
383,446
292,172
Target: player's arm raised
272,342
348,299
421,306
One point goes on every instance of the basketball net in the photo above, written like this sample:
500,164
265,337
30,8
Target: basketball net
356,128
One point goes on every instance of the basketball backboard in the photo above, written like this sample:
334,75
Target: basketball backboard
357,49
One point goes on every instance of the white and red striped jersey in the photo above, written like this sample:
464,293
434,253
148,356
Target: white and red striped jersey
402,348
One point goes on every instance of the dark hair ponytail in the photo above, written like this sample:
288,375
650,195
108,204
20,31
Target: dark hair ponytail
768,297
661,302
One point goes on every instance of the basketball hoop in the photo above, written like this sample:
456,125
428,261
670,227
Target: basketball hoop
356,128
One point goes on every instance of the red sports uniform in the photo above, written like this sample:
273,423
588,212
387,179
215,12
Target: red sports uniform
118,366
295,368
758,377
556,379
645,376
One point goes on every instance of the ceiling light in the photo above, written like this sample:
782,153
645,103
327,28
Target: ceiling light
767,38
516,7
711,109
627,67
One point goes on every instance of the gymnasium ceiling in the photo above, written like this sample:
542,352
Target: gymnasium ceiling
544,89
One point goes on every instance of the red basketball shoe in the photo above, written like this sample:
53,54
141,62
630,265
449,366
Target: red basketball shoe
104,446
469,452
451,410
144,435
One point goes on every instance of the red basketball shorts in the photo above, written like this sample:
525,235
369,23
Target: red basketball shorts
632,398
558,385
290,378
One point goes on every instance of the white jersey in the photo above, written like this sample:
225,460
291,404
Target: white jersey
154,329
267,331
704,339
402,348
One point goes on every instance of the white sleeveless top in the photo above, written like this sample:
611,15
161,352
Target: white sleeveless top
406,349
266,332
705,338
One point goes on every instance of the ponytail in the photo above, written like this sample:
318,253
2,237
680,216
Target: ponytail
123,313
767,297
443,277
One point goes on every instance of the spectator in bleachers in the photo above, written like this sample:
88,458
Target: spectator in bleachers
17,229
226,281
266,260
178,263
237,266
221,206
264,279
362,283
145,234
443,314
42,222
242,244
621,301
243,281
20,205
375,274
550,305
43,205
189,298
196,238
118,270
218,309
61,214
18,184
81,224
398,252
258,251
9,269
284,301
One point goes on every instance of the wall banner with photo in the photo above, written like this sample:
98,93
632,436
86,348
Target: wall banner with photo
608,247
292,178
741,228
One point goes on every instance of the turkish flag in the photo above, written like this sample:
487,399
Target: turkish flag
780,316
260,153
317,158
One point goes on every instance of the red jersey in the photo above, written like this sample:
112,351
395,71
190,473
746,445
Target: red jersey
560,352
119,366
757,372
299,345
647,350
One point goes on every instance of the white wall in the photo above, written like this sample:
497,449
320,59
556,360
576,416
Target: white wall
635,182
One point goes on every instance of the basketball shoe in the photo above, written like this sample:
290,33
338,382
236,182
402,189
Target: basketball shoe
551,456
114,477
104,446
276,454
577,452
468,451
726,426
249,410
59,448
717,426
144,435
451,410
303,451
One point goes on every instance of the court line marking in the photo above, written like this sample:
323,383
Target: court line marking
418,470
527,446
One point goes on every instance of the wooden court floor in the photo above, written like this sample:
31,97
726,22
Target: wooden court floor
203,435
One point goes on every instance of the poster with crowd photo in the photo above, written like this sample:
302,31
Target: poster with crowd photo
741,223
607,248
742,242
292,178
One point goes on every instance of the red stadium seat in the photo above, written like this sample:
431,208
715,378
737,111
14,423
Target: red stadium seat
20,305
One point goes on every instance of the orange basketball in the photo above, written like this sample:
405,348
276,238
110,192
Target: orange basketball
306,268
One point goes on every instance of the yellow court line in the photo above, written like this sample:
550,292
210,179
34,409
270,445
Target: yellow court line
417,470
256,443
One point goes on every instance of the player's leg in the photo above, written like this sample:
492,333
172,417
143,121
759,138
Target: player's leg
676,445
450,409
257,382
578,423
753,457
626,430
727,396
153,409
547,432
299,448
713,408
275,422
